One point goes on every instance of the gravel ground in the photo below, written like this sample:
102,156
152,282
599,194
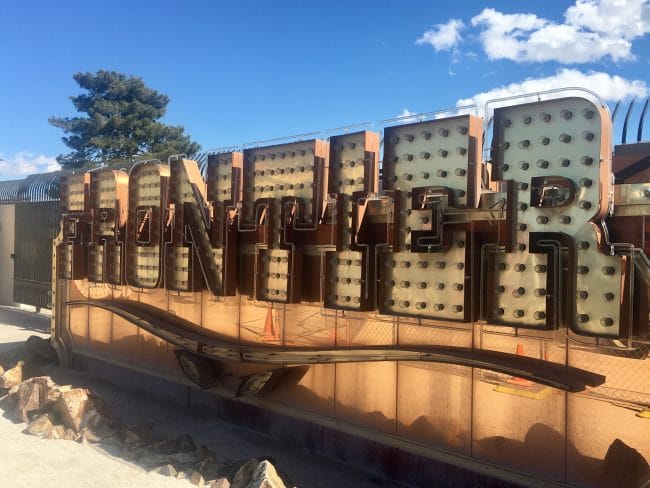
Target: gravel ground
28,461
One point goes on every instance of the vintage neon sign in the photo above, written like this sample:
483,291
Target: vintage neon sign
433,238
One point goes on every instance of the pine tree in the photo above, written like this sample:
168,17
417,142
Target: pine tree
121,123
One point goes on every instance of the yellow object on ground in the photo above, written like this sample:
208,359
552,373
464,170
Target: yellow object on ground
534,392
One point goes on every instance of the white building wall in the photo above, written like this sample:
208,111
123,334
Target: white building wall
7,234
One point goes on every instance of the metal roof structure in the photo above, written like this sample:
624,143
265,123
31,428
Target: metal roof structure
43,187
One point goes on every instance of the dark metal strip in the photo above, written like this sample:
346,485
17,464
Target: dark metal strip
186,335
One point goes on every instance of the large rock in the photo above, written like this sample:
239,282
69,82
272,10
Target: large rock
101,415
165,446
130,437
12,377
133,452
97,427
266,476
89,436
210,468
72,406
257,474
56,432
195,456
624,466
33,396
152,460
79,408
245,473
196,478
220,483
60,432
165,470
183,443
41,348
142,435
41,425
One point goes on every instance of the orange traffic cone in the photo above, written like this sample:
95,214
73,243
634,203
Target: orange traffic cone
270,334
515,380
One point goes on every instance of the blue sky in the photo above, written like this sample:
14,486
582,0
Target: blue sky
249,70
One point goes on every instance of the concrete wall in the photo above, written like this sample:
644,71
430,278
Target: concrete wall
7,234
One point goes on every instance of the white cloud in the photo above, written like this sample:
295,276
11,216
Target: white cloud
25,163
608,87
592,30
443,37
407,116
625,18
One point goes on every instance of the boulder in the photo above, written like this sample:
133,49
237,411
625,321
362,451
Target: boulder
266,476
72,406
41,348
60,432
54,394
97,428
101,415
185,443
165,470
133,453
257,474
57,432
210,468
90,436
103,434
41,425
112,441
130,437
152,460
165,446
245,473
12,377
33,397
71,435
624,466
141,435
189,457
196,478
220,483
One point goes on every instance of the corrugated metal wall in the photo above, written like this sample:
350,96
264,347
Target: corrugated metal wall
37,224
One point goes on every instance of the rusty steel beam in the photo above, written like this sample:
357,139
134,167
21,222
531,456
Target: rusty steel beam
183,334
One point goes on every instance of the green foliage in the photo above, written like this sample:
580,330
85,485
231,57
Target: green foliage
121,123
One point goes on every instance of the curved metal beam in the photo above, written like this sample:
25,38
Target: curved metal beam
627,119
186,335
639,133
615,112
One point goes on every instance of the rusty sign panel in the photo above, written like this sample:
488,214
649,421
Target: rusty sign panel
302,273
